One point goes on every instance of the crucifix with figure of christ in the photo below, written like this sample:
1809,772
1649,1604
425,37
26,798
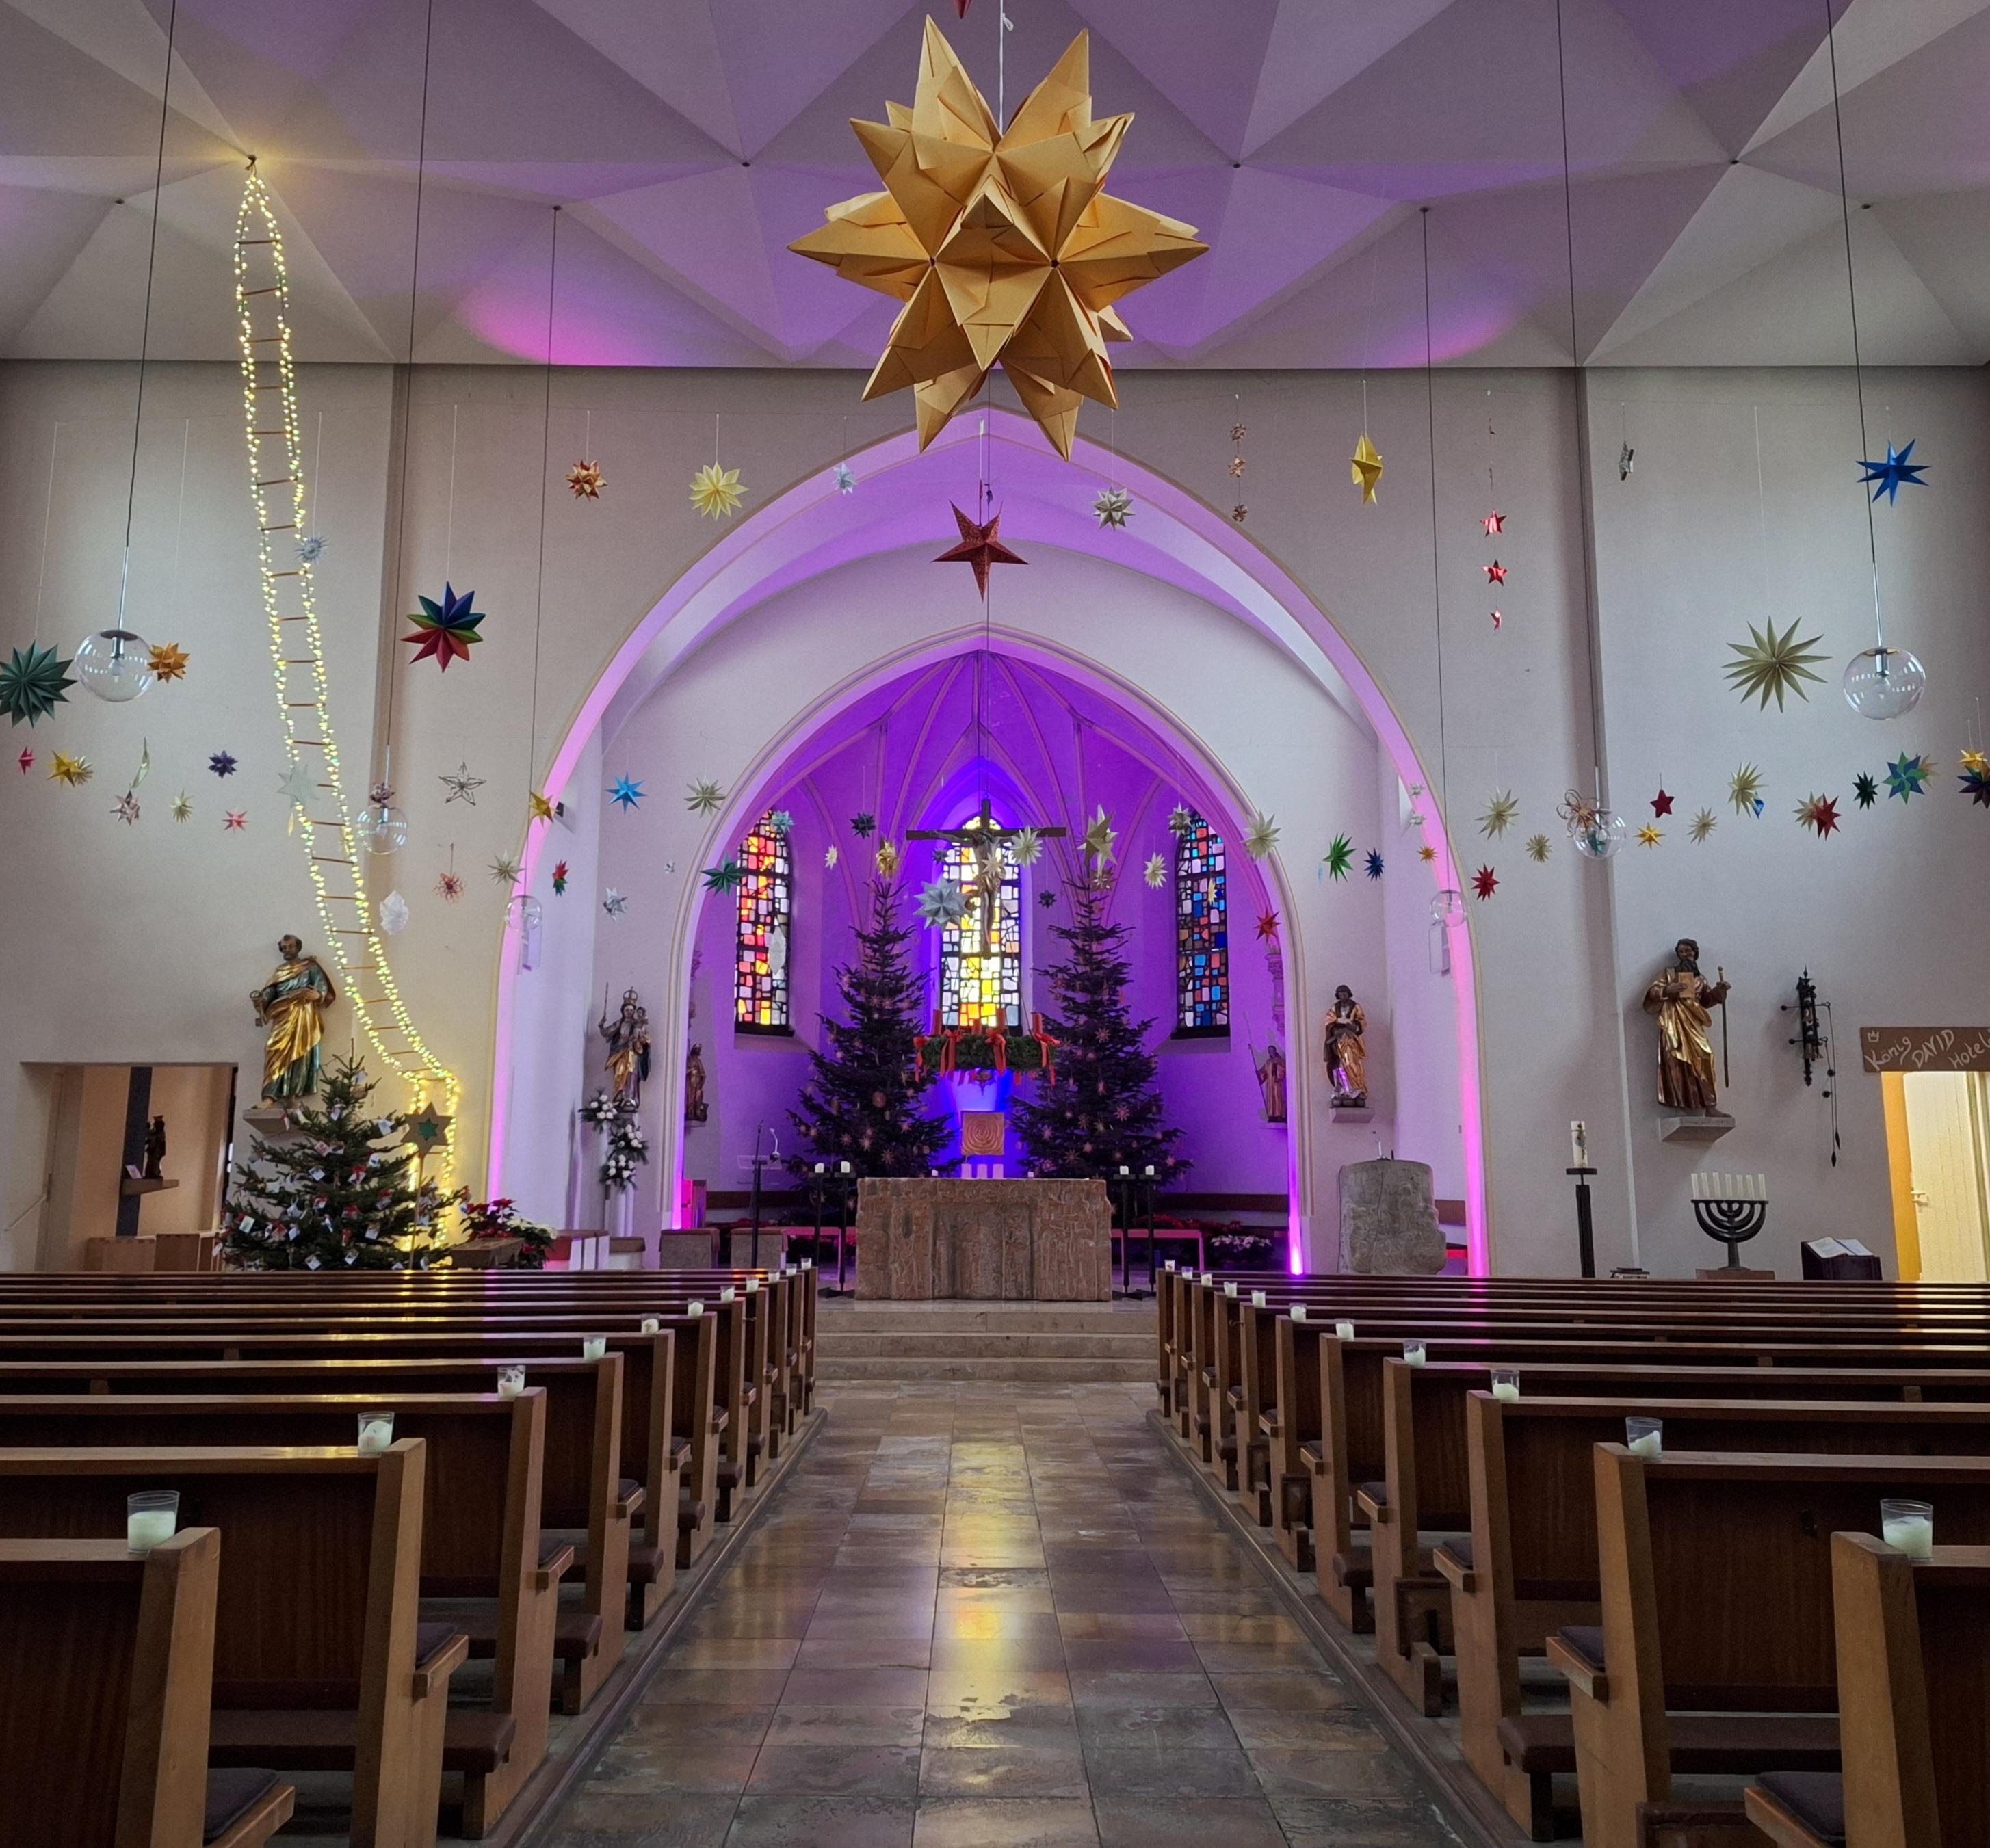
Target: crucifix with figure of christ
981,832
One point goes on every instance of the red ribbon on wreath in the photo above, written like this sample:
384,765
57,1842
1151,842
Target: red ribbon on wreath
1049,1045
948,1039
998,1041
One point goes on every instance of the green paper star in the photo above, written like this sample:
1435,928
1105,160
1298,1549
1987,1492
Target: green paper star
724,876
1907,777
33,683
1770,663
1865,790
1340,857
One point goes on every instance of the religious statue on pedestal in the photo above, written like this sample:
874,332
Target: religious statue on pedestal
695,1108
628,1037
1271,1081
1680,999
1346,1052
155,1148
290,1006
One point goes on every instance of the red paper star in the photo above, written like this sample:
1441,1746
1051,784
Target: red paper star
1267,926
26,761
1498,621
1494,523
1495,573
238,819
1486,882
980,546
1661,804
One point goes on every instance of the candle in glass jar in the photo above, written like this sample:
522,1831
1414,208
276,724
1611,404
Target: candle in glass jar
1645,1436
694,1308
752,1286
1908,1527
1229,1289
511,1381
594,1347
376,1431
1506,1384
1344,1330
1298,1312
151,1516
650,1324
726,1293
1256,1299
1415,1353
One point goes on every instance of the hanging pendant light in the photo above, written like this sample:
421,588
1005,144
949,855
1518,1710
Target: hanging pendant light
115,664
1883,683
382,828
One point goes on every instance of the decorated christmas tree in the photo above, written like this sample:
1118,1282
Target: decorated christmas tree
340,1191
862,1103
1100,1109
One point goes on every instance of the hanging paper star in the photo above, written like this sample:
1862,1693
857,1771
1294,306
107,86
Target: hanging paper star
537,808
1261,837
1236,468
1239,513
1495,522
559,879
1907,777
1496,572
1374,864
1236,435
886,859
1046,900
1267,926
1896,472
1661,804
445,631
1156,871
781,821
25,760
298,784
1027,847
1499,622
1339,857
1818,812
394,914
613,902
1770,663
1539,848
716,492
126,807
168,661
863,824
1099,836
1500,814
33,682
1975,782
183,807
831,856
942,902
234,821
724,876
1365,468
705,798
449,885
1626,457
626,793
1181,818
222,764
980,548
1744,790
1114,507
1427,853
504,870
462,786
1650,836
310,548
1001,241
1865,790
586,480
1975,760
1703,824
1486,882
845,478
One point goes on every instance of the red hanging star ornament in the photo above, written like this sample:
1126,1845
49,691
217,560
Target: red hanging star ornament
1267,926
1661,804
1498,621
26,761
1494,522
980,546
1486,882
1496,572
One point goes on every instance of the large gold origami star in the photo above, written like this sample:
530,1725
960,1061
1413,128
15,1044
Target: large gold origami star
1003,245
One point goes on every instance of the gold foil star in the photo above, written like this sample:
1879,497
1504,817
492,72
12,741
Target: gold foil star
1539,848
73,771
586,480
887,860
1975,760
540,810
1650,836
716,491
1427,853
1366,466
1003,245
168,661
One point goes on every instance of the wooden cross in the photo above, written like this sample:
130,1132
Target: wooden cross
980,830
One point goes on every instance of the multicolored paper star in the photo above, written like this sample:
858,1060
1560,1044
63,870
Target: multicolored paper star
1267,926
1896,472
1907,777
586,480
980,547
222,764
716,492
1496,572
559,878
1819,813
1339,858
445,631
626,793
1485,882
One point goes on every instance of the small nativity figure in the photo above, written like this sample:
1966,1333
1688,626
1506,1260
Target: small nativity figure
628,1037
1346,1050
290,1007
1271,1081
1680,999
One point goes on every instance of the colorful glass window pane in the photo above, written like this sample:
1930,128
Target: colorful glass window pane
766,900
981,975
1202,929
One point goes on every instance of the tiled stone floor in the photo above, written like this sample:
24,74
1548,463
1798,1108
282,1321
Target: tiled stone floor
984,1615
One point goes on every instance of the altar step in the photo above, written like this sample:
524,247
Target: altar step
1049,1345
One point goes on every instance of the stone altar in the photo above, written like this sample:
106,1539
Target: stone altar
978,1241
1388,1220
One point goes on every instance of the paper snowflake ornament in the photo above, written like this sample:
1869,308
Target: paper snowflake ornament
704,798
887,860
183,807
1099,836
1907,777
942,902
234,821
559,879
863,824
1339,857
1485,882
716,492
586,480
1027,847
1156,871
1427,853
1703,824
1496,572
724,877
537,808
1261,837
168,661
1493,523
782,823
980,548
1650,836
1500,814
1181,818
310,548
831,856
613,902
1114,507
449,885
1373,867
1865,790
1662,803
1772,665
461,786
1539,848
504,870
445,631
33,682
394,914
126,807
1365,466
222,764
1819,813
25,760
1975,782
1896,472
626,793
845,478
1001,241
1267,926
1744,791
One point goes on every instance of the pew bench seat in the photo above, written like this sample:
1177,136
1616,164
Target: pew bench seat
1798,1809
244,1808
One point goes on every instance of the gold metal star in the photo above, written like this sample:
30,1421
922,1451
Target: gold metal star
1365,467
1002,244
168,661
715,491
1772,664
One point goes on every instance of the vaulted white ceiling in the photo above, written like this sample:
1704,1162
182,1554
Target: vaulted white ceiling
689,140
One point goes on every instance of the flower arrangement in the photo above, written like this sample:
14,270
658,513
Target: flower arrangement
502,1219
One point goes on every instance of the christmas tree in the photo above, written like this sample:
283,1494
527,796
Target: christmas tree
1101,1111
862,1101
337,1193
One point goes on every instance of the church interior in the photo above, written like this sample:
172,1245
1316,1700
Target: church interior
788,1093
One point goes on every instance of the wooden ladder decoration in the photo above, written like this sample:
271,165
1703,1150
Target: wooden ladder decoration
276,462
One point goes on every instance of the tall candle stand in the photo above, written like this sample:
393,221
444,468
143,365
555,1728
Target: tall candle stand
1585,1223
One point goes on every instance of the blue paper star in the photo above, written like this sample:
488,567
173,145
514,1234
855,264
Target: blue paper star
1374,865
1907,777
222,764
1895,472
625,793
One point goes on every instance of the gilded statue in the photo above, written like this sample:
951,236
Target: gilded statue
1680,999
695,1109
1346,1049
1271,1081
628,1037
290,1007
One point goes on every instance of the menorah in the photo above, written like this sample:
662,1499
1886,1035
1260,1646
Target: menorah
1731,1208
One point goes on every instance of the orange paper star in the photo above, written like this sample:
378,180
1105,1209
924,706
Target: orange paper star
1002,244
980,546
168,661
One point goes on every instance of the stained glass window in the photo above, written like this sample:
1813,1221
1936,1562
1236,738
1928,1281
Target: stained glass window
766,900
1202,931
981,975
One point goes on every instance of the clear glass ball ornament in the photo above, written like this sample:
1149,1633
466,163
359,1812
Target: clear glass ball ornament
383,828
1448,906
116,665
1600,834
1884,682
532,913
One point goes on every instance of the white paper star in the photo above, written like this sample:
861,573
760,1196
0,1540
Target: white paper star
613,902
1156,872
845,478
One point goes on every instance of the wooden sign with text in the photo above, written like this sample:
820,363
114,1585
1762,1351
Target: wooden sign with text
1925,1049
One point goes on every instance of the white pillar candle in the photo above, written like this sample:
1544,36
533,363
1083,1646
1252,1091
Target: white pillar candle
594,1347
376,1431
1229,1289
808,1264
1207,1278
1645,1437
1298,1312
511,1381
1415,1353
726,1293
1256,1299
697,1308
1167,1264
1149,1171
1908,1527
1578,1144
1344,1330
1506,1384
650,1324
752,1286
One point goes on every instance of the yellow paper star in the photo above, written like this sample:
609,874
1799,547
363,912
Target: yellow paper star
168,661
542,809
716,490
70,770
1975,760
1650,836
1427,853
1003,245
1366,466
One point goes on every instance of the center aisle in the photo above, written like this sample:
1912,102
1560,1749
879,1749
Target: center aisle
985,1615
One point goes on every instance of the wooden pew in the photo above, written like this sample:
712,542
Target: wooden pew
485,1569
320,1660
106,1671
1716,1651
